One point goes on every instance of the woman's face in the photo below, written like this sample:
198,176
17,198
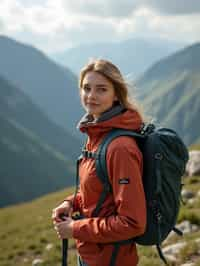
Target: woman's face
97,93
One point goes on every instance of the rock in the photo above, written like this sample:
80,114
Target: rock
174,248
191,201
186,227
49,246
186,194
197,240
171,258
188,264
198,194
193,165
37,262
195,228
171,234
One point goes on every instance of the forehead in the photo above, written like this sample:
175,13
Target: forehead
95,78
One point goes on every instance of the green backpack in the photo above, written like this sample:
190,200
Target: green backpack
164,158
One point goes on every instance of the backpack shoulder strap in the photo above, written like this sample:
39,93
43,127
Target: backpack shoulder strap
101,165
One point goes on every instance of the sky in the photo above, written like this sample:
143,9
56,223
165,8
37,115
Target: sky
56,25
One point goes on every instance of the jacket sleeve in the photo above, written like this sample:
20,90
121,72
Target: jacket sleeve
124,162
75,201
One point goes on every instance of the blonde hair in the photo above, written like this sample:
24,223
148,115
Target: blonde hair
113,74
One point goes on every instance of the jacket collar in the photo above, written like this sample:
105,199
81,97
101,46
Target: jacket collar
88,119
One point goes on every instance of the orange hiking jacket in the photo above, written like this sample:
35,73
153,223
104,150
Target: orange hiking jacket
123,214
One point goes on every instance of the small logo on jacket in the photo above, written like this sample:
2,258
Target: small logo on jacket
124,181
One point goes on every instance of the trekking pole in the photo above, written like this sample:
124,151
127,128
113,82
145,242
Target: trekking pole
64,247
64,251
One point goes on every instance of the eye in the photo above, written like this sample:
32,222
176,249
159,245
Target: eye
102,89
86,88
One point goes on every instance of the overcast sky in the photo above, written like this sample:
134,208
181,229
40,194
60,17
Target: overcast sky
55,25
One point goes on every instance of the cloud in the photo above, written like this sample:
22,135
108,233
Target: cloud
101,8
1,26
123,8
56,25
174,7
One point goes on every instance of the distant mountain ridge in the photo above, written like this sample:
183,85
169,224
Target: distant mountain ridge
132,55
170,92
52,87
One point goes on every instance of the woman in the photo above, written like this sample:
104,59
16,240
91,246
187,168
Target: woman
104,96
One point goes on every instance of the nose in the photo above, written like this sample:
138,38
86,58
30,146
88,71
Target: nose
92,94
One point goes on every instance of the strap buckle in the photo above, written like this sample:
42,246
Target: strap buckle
88,154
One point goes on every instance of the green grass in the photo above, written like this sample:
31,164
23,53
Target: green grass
27,229
195,146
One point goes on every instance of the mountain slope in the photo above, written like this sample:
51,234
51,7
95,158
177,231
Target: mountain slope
16,105
170,92
29,167
36,156
52,87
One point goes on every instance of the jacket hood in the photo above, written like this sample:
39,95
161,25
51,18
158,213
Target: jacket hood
116,117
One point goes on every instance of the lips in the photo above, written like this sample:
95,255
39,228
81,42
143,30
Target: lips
92,104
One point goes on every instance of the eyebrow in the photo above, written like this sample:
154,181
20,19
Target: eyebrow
98,85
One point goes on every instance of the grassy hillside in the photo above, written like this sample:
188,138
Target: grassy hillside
29,167
27,230
27,233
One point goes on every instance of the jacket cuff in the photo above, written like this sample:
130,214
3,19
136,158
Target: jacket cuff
75,230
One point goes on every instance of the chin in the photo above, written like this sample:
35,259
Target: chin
92,112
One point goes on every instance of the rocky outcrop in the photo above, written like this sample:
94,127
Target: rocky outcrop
187,194
171,251
185,227
37,262
188,264
193,165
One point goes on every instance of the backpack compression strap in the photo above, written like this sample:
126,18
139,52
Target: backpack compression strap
106,185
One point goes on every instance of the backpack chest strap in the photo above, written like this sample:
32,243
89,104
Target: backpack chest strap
89,154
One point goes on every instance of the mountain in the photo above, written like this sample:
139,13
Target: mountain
170,91
52,87
29,167
17,106
37,156
132,56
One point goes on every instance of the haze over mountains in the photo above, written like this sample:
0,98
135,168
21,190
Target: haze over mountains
132,56
40,106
